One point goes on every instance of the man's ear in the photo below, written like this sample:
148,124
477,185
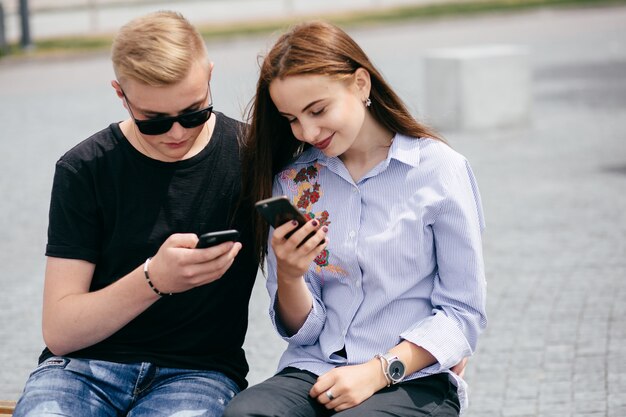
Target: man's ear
210,69
118,88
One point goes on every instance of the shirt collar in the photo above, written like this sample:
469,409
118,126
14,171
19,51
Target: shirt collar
404,149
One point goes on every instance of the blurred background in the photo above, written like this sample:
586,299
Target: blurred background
92,17
532,92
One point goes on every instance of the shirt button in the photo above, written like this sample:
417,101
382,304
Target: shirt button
352,234
355,190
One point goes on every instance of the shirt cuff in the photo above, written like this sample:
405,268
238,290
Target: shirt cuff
442,338
310,330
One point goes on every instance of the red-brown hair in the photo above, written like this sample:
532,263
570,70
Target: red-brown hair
315,48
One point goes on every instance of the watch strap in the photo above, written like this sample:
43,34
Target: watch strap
384,364
389,359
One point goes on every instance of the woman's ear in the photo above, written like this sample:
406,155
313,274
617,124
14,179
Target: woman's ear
363,82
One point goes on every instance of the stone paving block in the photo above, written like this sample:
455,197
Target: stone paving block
617,345
559,401
554,414
559,353
560,367
531,358
617,400
616,384
590,407
522,390
617,412
556,407
589,368
588,396
557,387
480,406
519,408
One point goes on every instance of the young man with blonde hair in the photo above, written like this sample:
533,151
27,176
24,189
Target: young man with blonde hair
136,320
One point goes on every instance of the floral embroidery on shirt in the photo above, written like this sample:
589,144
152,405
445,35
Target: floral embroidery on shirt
305,185
322,258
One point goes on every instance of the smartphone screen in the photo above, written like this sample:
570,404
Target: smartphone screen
215,238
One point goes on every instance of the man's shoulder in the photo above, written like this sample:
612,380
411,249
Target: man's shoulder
228,137
94,147
228,126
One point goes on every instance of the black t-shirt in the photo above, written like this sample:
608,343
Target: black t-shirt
114,207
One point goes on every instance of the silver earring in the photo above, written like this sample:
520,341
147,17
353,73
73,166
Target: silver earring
368,102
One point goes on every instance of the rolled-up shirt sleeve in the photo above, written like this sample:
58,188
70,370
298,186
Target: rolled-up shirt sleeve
309,333
459,288
314,323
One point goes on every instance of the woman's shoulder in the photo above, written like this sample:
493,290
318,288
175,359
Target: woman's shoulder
441,153
428,153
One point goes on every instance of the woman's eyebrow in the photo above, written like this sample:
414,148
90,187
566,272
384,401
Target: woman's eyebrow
313,103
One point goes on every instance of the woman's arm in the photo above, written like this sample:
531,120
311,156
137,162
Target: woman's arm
293,258
351,385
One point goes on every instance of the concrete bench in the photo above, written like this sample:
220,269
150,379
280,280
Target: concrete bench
477,87
6,408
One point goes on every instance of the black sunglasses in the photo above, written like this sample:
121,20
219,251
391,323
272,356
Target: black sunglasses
161,125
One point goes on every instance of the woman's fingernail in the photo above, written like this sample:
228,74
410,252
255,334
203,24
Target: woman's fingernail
325,229
294,223
314,223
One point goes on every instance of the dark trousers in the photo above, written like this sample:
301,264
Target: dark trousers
287,394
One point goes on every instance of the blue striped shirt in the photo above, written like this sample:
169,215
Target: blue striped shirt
404,261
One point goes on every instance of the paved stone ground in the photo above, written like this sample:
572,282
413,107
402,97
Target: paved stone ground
553,191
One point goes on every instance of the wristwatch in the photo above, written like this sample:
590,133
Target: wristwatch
393,367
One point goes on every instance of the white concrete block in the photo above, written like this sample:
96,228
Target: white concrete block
477,87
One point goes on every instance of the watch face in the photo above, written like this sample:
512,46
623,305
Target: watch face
396,370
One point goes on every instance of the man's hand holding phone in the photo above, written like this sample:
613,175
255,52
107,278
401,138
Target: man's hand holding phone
210,239
175,268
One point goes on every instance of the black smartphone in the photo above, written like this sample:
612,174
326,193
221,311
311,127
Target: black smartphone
215,238
279,210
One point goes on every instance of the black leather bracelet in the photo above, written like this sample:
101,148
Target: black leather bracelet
145,272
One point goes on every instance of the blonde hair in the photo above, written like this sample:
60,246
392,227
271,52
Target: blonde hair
157,49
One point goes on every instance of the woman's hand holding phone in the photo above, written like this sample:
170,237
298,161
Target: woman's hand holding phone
296,247
296,241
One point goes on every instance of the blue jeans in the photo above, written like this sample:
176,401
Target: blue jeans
81,387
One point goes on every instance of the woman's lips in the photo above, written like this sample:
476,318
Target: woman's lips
325,143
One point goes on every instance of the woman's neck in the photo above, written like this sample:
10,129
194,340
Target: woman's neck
368,150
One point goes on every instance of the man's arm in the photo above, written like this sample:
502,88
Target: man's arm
74,318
